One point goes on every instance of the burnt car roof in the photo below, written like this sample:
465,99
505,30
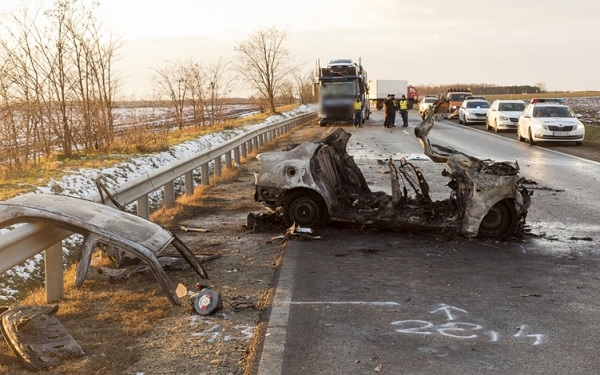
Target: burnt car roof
100,224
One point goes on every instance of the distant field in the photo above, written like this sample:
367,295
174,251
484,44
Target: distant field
565,94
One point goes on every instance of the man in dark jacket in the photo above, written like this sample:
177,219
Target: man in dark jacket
390,111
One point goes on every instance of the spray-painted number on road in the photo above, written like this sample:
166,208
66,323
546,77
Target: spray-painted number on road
461,330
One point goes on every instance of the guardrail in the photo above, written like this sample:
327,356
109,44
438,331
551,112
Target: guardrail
20,244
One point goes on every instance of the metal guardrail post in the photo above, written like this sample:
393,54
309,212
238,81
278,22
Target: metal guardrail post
189,183
244,151
204,174
236,157
228,160
143,207
217,166
53,268
169,192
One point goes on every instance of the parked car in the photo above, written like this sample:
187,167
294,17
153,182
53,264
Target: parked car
504,114
425,104
473,110
550,121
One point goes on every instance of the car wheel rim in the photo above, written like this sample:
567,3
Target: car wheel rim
305,212
499,221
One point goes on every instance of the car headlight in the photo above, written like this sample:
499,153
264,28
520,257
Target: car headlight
505,118
538,125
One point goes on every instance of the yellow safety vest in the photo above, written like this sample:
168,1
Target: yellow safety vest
357,106
403,104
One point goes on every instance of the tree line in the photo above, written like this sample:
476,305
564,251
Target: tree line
58,87
483,89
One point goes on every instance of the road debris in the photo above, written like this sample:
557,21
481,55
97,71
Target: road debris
37,337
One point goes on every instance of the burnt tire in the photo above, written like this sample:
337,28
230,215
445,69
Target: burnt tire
501,221
306,209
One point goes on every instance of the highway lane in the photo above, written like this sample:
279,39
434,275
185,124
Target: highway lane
565,205
363,300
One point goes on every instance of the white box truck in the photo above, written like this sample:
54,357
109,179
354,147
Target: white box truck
380,88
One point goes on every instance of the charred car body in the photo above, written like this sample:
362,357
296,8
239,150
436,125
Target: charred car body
318,181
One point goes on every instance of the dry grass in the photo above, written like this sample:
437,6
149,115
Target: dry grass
111,319
560,94
135,140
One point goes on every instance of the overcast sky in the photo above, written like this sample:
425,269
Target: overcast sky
505,42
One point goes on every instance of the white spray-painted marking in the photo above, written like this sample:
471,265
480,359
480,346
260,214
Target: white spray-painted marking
448,310
214,331
345,303
457,330
493,336
539,338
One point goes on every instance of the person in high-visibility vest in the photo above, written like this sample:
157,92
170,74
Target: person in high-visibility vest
403,109
357,113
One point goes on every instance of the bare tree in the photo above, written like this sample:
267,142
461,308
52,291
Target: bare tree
263,62
286,92
304,86
60,86
220,82
198,93
173,81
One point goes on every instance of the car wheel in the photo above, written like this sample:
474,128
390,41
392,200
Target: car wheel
323,123
501,220
459,119
530,140
487,124
519,138
306,209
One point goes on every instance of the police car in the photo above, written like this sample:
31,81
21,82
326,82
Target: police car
549,119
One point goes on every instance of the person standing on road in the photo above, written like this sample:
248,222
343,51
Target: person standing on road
357,113
403,109
393,120
390,110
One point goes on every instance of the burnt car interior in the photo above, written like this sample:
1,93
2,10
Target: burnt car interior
486,198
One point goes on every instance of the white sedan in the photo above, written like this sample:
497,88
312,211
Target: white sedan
550,122
473,110
504,114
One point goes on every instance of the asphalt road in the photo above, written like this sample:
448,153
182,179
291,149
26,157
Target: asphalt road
365,301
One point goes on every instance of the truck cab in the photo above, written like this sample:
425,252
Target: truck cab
455,97
338,85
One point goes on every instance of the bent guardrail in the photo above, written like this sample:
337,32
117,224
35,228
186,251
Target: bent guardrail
18,245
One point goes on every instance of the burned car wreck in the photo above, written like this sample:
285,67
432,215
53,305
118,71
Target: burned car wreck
316,182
